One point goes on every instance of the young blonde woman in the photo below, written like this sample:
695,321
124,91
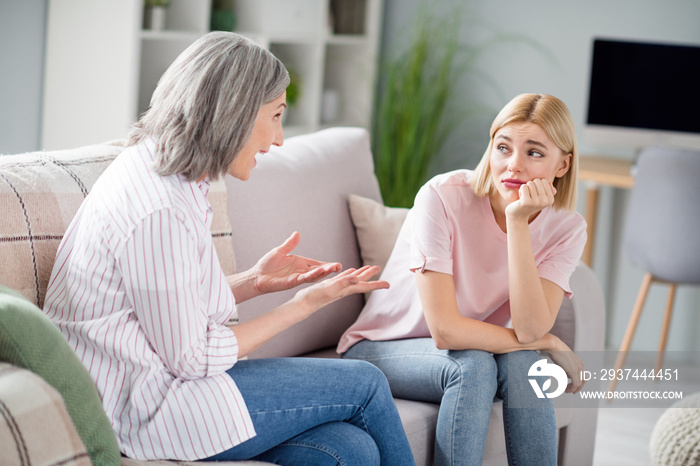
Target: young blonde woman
477,277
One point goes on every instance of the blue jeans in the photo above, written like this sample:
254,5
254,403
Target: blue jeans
320,412
465,384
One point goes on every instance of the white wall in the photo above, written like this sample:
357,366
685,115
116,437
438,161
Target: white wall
22,29
560,66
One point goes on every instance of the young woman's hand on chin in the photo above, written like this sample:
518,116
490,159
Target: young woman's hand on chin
534,196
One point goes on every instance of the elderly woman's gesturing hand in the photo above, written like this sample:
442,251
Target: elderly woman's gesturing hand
278,270
348,282
253,333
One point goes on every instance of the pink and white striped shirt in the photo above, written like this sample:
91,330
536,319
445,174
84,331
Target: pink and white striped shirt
138,292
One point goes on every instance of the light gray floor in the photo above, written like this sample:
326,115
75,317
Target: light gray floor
623,434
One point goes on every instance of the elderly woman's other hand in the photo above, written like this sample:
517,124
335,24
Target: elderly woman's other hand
255,332
279,270
348,282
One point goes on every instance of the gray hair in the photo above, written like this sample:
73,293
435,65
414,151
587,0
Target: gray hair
204,108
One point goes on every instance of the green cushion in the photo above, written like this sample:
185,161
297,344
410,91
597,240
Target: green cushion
29,339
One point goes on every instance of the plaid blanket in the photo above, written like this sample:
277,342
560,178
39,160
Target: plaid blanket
40,192
35,428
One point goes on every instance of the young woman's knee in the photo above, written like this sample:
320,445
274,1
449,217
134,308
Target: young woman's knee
513,368
516,361
476,369
367,373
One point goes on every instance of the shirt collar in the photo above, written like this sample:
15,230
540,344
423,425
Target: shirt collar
195,192
204,186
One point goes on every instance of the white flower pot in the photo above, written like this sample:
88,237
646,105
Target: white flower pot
155,18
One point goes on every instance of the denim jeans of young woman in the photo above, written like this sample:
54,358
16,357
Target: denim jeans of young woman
465,384
318,412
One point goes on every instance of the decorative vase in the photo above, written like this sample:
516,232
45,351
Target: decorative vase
155,18
330,105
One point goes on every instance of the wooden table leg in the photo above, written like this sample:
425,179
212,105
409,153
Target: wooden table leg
591,215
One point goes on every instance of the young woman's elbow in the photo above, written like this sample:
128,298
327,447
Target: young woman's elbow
527,337
441,338
529,332
441,344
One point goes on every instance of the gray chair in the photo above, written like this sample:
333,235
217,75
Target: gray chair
661,231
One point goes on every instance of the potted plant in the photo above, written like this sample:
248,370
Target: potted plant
408,128
154,14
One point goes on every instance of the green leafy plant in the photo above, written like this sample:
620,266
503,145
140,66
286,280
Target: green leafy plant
294,88
408,126
412,117
223,16
157,3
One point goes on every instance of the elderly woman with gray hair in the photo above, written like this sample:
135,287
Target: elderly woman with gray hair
138,291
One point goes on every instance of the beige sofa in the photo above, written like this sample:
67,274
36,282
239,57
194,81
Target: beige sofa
304,185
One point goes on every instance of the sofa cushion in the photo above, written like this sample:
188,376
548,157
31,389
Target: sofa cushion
29,340
35,427
305,185
377,228
40,193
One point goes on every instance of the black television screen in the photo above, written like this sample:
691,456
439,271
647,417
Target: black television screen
645,85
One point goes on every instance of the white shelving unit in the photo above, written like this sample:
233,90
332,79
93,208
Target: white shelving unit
331,44
185,22
102,66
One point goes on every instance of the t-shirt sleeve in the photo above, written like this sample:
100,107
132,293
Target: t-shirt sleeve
565,256
431,239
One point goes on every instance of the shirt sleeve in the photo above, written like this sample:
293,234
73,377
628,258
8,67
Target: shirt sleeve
162,268
431,242
565,256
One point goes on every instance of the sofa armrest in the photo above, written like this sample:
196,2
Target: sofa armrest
581,320
581,325
589,310
35,427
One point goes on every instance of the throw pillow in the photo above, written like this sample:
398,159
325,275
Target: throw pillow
675,438
40,194
377,228
30,340
35,427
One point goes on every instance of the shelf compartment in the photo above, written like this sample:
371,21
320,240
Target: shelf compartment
348,17
156,57
349,74
187,16
280,19
302,59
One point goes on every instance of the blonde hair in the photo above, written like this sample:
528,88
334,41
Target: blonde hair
552,115
204,108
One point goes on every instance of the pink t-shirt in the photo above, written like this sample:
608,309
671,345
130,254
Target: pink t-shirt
453,231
